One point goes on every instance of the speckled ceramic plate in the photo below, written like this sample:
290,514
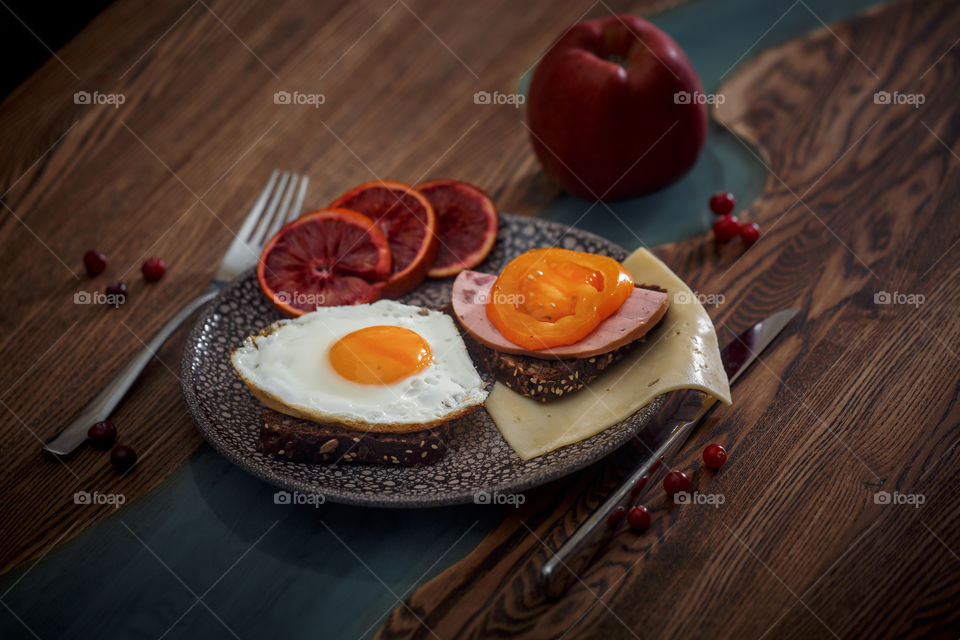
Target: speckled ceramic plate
479,459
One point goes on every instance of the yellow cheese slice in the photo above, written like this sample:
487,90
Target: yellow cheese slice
681,354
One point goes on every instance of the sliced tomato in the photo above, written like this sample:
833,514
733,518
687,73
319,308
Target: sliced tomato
553,297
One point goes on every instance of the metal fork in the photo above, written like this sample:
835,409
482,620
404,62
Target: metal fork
271,210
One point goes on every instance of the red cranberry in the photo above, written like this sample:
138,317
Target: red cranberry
749,232
722,203
123,458
641,483
616,516
94,262
119,291
153,269
639,518
675,482
726,228
102,435
714,456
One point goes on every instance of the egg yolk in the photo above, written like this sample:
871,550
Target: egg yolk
381,354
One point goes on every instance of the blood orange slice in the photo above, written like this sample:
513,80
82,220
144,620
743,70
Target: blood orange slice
407,220
324,258
468,225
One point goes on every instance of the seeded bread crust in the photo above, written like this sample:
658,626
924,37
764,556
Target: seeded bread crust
288,438
543,380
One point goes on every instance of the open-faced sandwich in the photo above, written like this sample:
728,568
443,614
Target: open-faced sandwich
554,319
362,383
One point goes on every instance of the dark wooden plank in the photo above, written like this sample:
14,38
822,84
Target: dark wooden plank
859,398
174,169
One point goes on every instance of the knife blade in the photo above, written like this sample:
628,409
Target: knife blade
564,567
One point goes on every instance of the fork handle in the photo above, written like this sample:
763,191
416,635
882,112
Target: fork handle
100,408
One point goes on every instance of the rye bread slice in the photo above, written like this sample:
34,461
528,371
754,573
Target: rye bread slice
288,438
543,380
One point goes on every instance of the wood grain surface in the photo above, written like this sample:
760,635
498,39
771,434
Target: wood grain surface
856,398
173,170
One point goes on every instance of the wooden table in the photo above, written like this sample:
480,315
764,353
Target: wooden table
859,398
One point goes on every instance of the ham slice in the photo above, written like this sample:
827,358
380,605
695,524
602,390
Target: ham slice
636,316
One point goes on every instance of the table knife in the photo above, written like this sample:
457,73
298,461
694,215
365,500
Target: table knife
563,569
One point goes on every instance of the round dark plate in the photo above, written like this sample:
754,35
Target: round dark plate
479,463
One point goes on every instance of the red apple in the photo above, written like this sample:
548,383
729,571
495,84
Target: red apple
615,109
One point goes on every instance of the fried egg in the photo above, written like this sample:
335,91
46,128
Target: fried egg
382,367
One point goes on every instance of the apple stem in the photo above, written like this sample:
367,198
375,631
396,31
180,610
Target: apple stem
616,58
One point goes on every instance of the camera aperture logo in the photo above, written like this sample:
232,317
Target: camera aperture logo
885,97
311,99
288,498
487,497
913,499
711,499
513,99
885,297
697,97
113,99
97,498
98,297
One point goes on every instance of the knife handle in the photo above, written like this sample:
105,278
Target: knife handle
563,569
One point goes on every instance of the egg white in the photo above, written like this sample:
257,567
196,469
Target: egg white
288,368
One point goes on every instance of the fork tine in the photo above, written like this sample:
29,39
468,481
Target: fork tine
298,203
259,235
244,233
281,216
